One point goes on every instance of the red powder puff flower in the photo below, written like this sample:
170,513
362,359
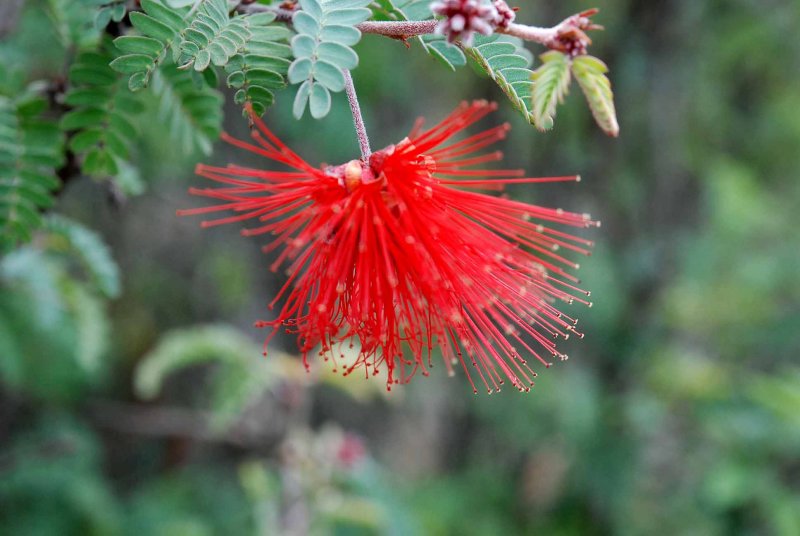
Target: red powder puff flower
404,254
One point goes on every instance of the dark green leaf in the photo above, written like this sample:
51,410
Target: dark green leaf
151,27
131,63
136,44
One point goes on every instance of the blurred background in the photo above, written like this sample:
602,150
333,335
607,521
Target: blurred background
152,412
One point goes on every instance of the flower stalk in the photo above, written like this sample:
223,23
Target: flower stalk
358,120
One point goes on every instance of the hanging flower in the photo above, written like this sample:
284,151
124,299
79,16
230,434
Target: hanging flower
405,254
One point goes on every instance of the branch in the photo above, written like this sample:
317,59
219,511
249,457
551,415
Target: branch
398,29
533,33
568,36
403,29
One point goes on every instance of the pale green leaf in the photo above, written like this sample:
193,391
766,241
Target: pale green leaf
345,35
590,73
301,99
319,101
304,46
300,70
329,75
347,17
305,24
551,84
312,7
342,56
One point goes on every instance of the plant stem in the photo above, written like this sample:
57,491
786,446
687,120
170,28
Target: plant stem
399,29
412,28
358,121
533,33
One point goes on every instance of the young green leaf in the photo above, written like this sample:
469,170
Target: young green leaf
590,73
551,84
161,27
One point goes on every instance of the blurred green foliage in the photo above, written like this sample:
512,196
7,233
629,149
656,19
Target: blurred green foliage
679,413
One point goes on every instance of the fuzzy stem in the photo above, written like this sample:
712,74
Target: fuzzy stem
402,29
533,33
412,28
358,121
399,29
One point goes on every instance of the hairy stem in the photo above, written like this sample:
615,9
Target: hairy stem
398,29
358,121
412,28
402,29
533,33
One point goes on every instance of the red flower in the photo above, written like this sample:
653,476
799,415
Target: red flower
404,254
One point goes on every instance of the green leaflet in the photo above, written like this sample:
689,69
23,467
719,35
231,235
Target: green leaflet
322,50
88,249
103,112
192,114
251,50
31,148
550,85
213,37
161,26
447,53
590,73
505,61
260,67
